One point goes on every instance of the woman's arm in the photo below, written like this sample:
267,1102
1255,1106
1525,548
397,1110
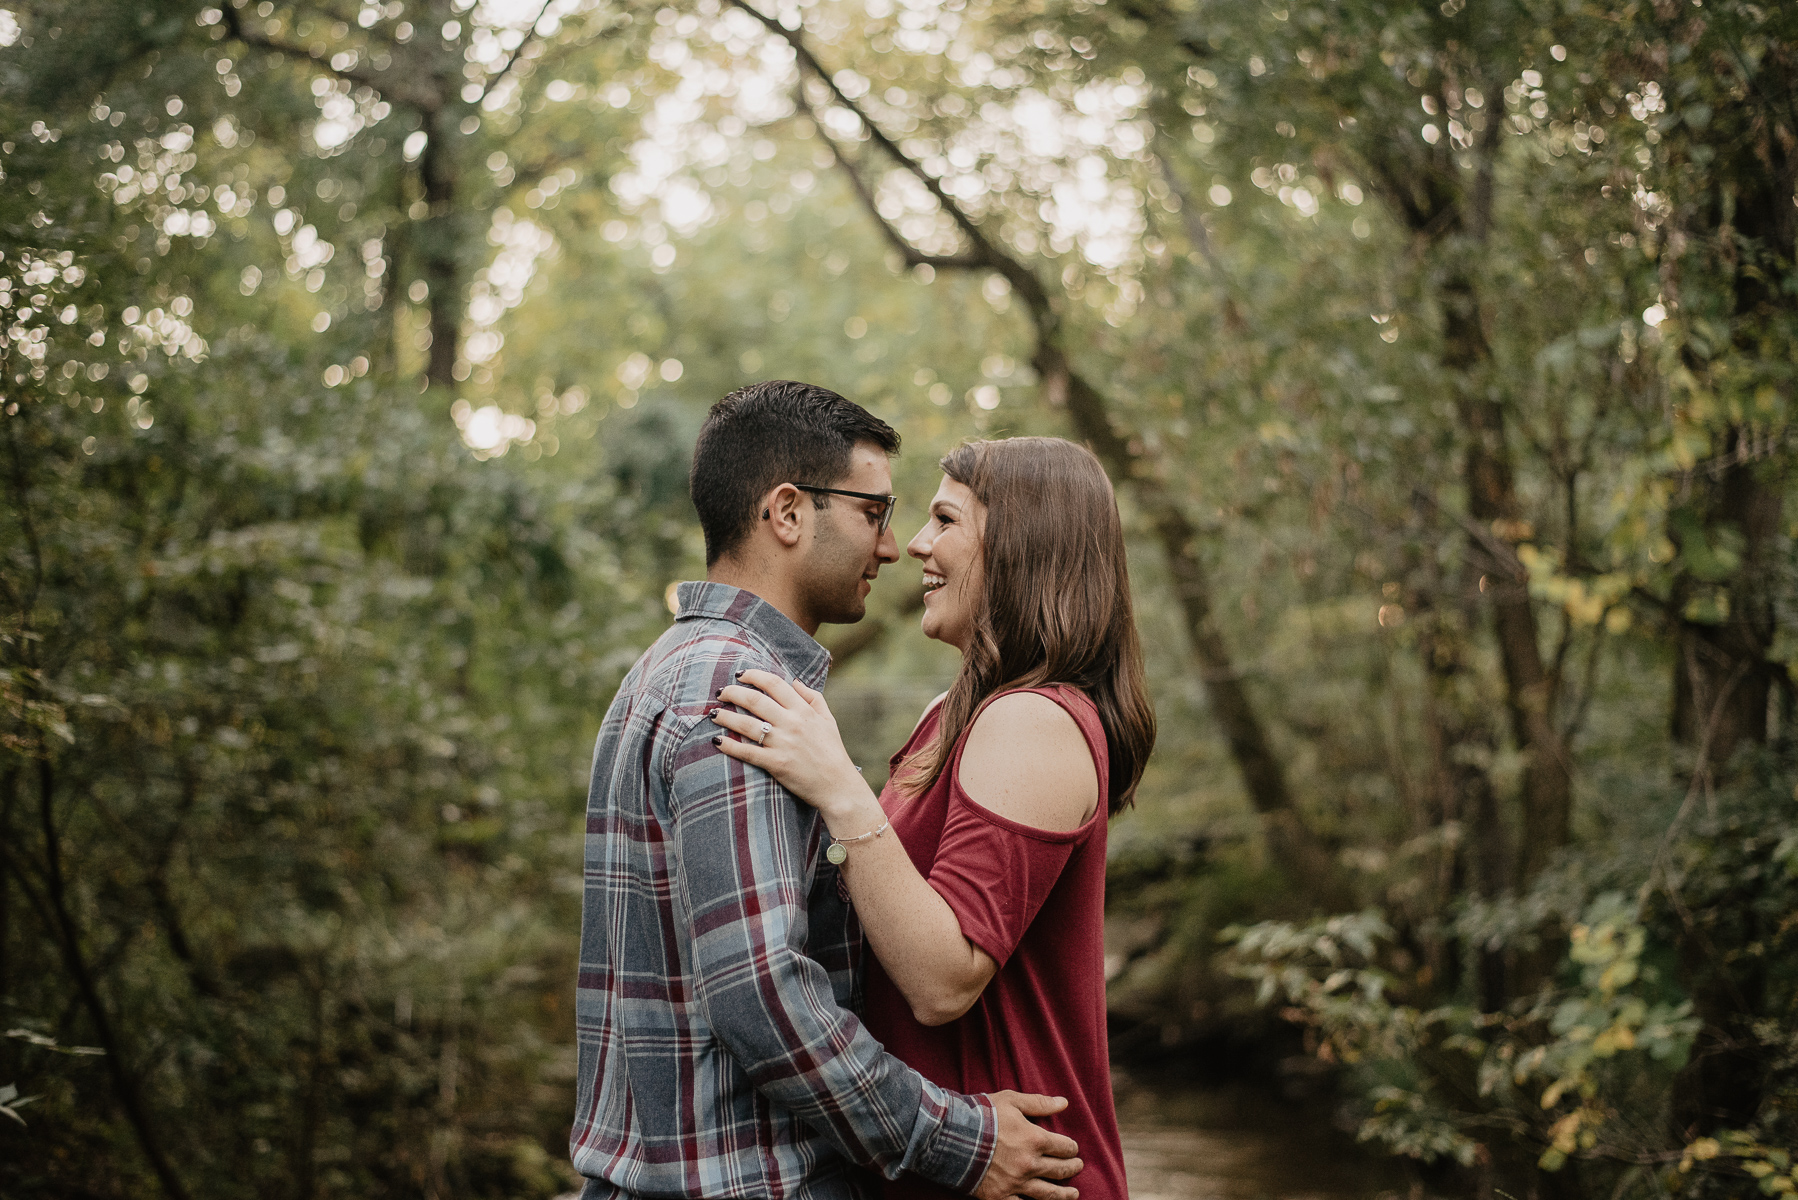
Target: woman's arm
1025,760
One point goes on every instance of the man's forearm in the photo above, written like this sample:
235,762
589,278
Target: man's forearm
877,1111
743,844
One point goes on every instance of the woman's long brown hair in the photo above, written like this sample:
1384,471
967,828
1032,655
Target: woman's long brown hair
1055,606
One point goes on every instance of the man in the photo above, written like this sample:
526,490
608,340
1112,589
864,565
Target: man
718,1055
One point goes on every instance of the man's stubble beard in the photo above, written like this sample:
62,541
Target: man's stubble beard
832,574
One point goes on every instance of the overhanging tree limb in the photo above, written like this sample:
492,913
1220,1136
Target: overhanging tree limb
414,89
912,256
984,251
1126,456
518,51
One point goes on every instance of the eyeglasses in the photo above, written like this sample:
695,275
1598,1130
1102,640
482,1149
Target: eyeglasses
887,503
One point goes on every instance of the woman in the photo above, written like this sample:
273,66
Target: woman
978,874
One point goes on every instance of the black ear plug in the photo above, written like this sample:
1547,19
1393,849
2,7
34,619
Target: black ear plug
764,514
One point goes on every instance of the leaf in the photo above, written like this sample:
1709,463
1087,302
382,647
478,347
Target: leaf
11,1102
50,1043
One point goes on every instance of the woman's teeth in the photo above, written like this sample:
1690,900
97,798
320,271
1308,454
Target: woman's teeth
933,582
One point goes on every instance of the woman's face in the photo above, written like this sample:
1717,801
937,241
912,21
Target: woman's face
948,547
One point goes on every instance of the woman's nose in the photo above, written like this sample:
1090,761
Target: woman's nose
919,546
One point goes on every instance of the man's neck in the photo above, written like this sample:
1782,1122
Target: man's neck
768,586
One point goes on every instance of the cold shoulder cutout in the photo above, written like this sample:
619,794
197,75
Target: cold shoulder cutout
1027,759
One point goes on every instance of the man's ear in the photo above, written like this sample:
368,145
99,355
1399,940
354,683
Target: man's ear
783,511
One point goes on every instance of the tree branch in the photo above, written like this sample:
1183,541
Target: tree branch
1200,237
422,96
1196,233
1128,459
529,39
1138,12
1576,723
1660,872
68,938
1502,554
912,256
984,251
13,862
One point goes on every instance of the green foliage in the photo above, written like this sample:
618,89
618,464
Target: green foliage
1582,1071
295,691
1571,1055
349,362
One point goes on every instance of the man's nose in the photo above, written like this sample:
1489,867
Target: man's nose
887,548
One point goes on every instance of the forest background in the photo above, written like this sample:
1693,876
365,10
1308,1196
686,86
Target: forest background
1442,355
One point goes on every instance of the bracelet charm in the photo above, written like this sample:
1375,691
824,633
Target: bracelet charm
839,847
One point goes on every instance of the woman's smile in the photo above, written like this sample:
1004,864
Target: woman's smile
948,548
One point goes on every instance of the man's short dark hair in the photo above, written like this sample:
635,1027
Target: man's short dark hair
767,434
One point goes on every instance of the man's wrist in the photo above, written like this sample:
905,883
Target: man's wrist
960,1146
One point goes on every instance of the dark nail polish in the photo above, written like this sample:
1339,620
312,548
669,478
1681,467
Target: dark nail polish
718,741
738,675
720,695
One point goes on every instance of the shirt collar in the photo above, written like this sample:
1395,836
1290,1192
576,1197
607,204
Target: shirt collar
796,649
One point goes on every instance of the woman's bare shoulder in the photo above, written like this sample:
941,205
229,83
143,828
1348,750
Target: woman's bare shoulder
1027,760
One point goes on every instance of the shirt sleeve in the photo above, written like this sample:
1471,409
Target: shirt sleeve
996,874
745,849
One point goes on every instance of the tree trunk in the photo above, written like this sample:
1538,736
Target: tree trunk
1747,223
1492,504
439,249
1723,678
1290,842
1745,229
1461,742
1723,681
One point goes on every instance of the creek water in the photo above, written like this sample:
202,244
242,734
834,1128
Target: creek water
1235,1143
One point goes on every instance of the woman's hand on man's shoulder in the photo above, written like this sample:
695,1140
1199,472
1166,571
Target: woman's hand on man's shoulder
1027,761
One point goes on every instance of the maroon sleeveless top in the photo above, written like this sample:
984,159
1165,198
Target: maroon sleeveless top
1034,899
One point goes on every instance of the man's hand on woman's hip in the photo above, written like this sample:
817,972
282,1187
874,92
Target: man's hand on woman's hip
1028,1159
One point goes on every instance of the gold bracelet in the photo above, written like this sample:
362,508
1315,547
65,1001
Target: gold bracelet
838,846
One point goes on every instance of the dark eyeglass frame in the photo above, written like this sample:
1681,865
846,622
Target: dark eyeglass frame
887,502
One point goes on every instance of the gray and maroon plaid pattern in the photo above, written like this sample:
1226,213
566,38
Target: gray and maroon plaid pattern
718,1055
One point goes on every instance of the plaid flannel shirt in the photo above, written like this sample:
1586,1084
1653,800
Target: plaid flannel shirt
718,1055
